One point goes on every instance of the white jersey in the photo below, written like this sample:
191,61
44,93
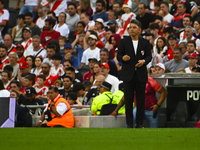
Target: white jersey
4,16
125,19
58,6
30,2
59,72
4,93
35,71
89,25
64,29
41,91
41,52
88,53
168,18
188,70
40,22
27,45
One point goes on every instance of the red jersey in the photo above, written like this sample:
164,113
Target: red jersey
47,37
41,91
170,53
4,62
49,80
21,60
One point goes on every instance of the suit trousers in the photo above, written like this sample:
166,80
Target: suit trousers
131,87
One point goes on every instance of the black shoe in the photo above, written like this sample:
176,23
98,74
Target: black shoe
139,126
129,126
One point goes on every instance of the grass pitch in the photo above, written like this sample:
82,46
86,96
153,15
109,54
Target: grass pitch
100,139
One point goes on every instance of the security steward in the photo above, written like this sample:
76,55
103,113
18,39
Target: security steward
58,111
102,99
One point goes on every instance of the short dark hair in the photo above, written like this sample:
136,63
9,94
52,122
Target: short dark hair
163,2
64,14
54,88
87,83
178,49
158,17
67,77
110,29
188,16
81,22
157,4
71,3
2,2
31,78
8,73
28,14
70,61
51,21
56,57
192,42
1,85
15,82
21,16
153,26
137,22
70,69
51,12
41,76
50,46
3,46
144,5
77,87
104,50
102,2
169,30
8,68
72,96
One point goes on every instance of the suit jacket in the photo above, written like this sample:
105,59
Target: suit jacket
143,53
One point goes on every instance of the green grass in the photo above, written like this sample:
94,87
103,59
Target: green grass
100,139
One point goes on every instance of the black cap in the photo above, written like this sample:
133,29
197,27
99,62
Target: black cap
92,59
172,35
30,91
106,85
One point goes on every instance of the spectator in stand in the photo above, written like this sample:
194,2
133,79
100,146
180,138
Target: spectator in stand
31,62
109,31
72,17
85,18
167,31
187,21
151,71
79,48
17,30
4,59
27,43
100,11
154,28
159,20
196,26
79,89
3,91
4,18
99,26
104,58
143,17
150,37
177,21
114,42
90,73
70,71
192,59
42,13
183,46
72,99
50,52
23,73
20,53
52,15
62,42
68,55
161,46
96,72
84,6
40,89
9,68
30,81
164,6
50,78
105,68
58,84
56,45
92,52
57,6
62,27
8,43
177,62
50,34
117,7
12,57
160,68
67,87
38,66
29,23
37,50
5,77
172,44
56,69
80,28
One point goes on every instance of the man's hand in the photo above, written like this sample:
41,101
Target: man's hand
154,107
19,74
114,113
140,63
39,124
126,58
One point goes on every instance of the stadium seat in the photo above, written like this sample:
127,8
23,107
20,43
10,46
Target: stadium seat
84,69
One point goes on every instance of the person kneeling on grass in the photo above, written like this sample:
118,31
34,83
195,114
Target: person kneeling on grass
58,111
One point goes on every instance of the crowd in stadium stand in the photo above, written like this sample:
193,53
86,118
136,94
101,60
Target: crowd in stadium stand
73,46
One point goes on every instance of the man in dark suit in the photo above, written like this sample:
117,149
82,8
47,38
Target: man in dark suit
135,53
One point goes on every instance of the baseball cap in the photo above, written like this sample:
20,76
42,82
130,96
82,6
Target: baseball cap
23,65
192,55
20,46
106,85
99,20
93,37
160,65
172,35
30,91
92,59
113,21
27,28
68,45
105,65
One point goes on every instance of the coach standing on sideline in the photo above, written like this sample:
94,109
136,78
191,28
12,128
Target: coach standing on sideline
135,53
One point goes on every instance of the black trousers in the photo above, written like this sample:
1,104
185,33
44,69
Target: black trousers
129,88
58,126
